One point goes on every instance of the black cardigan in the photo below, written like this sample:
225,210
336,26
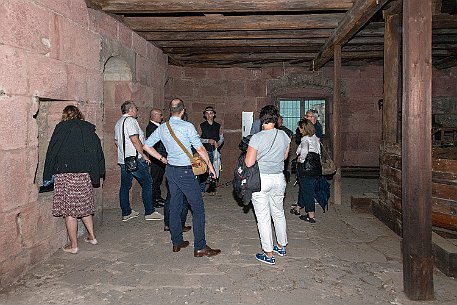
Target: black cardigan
75,148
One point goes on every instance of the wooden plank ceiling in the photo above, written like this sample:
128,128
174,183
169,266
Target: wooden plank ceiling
262,33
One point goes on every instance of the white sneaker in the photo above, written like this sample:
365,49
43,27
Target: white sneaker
154,216
132,214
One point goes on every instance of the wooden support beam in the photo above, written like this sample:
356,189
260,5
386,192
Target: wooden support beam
292,42
392,77
221,6
272,34
336,124
417,150
233,23
352,22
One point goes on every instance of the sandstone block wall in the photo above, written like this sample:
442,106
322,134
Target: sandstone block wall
53,53
234,90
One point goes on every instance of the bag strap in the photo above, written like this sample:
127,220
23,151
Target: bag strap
123,139
273,142
177,141
325,152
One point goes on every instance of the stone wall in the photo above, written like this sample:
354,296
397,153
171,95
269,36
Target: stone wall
53,54
234,90
133,69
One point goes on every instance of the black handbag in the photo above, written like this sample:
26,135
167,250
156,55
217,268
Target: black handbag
131,163
311,167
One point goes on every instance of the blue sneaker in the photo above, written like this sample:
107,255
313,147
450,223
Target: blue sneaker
279,251
265,259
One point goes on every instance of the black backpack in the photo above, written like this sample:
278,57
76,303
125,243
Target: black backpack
246,180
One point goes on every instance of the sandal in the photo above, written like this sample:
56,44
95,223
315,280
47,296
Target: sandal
295,210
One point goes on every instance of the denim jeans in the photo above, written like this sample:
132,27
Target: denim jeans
166,209
268,204
203,178
306,192
182,182
143,177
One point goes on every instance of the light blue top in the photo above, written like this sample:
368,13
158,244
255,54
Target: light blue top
185,132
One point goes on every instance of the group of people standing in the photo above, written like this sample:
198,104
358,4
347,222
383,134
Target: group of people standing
75,158
75,162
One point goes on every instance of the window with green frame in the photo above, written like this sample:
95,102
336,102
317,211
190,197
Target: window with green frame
293,109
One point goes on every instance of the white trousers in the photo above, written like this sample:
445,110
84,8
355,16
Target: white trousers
268,204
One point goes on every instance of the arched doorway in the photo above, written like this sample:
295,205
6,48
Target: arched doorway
117,87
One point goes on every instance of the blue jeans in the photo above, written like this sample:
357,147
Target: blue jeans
166,209
203,178
182,182
306,192
143,177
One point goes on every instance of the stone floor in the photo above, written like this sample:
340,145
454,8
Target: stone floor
345,258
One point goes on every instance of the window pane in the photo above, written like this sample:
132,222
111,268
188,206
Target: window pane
290,112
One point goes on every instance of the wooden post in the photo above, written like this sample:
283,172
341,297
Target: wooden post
416,150
336,124
392,79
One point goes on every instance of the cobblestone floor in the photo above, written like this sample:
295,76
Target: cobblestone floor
347,257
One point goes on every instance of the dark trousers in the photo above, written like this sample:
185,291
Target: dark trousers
166,209
157,169
306,192
182,182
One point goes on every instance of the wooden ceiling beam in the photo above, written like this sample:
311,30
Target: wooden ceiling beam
272,56
360,13
227,23
373,30
271,34
253,50
261,42
242,49
209,6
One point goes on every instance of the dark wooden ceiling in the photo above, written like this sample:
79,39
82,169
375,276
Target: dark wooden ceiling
262,33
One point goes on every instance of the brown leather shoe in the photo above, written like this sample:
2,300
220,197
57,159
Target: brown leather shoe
177,248
206,251
186,228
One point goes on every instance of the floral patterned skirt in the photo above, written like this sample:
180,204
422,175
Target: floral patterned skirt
73,195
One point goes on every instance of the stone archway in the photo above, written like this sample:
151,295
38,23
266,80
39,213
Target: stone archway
117,87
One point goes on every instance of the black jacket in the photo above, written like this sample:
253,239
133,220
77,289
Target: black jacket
75,148
159,145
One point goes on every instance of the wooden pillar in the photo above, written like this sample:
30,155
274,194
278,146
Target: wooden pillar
416,150
392,77
336,124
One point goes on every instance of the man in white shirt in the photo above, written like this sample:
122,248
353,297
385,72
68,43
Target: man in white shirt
129,139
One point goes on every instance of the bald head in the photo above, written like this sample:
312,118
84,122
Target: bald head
156,115
176,107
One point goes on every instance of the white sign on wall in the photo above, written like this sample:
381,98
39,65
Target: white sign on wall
247,117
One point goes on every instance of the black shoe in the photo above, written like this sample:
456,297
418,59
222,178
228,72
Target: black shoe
158,205
307,218
160,200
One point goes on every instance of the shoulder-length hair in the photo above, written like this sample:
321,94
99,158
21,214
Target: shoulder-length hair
306,128
72,113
